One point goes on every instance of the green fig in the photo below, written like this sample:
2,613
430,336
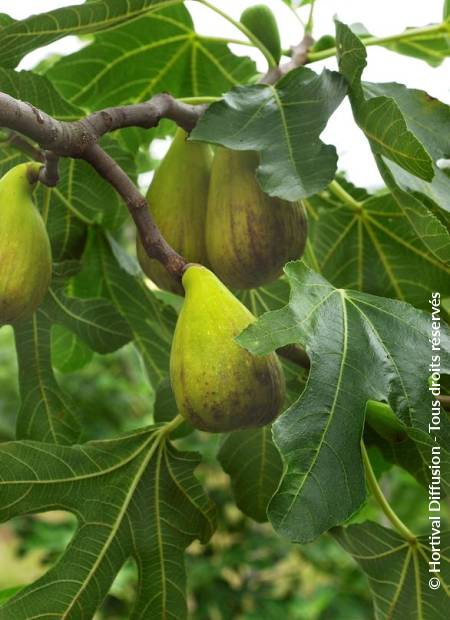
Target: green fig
25,254
250,236
178,197
260,20
218,385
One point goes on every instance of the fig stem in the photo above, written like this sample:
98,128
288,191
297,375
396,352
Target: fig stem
226,40
49,174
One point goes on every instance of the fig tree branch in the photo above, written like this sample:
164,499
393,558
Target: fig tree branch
299,57
152,240
79,139
71,139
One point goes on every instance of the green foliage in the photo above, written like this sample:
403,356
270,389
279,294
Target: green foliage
294,162
387,553
396,143
162,46
88,420
323,483
111,479
20,38
432,47
254,465
358,246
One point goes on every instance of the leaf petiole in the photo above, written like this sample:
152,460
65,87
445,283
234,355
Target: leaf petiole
171,426
250,36
310,22
337,190
375,488
411,33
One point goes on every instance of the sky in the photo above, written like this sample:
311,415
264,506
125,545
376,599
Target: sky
380,17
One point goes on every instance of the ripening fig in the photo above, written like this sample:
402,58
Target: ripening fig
25,254
218,385
177,198
250,236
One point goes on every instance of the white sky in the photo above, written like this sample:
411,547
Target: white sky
380,17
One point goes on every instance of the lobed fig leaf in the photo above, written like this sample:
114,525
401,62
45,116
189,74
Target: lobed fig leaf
218,385
250,236
25,254
177,200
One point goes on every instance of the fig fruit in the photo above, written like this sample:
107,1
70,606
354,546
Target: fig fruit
218,385
25,254
177,198
260,20
250,236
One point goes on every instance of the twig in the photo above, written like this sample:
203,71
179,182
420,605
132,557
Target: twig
152,240
299,58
